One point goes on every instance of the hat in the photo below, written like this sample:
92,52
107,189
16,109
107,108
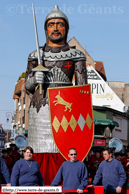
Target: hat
127,150
12,144
113,148
123,154
4,151
117,153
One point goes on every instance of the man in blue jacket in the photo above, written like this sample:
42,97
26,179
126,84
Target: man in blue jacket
112,173
4,171
73,173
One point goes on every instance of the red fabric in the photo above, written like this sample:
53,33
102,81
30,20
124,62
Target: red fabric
49,164
91,190
124,161
99,190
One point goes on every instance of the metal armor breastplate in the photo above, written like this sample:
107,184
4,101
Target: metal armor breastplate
56,75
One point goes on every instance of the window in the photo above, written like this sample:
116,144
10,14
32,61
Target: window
24,100
23,120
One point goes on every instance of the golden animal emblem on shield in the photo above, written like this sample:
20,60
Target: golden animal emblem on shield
61,101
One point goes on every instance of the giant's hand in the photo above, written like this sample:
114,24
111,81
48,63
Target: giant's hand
39,77
32,82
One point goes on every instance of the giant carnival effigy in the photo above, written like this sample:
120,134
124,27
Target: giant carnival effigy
60,114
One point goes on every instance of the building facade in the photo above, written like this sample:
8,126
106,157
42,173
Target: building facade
122,91
2,138
21,100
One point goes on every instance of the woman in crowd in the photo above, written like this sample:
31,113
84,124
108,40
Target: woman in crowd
26,172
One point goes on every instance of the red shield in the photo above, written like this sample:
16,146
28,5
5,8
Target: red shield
72,119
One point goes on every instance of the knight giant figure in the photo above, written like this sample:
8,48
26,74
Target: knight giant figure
63,62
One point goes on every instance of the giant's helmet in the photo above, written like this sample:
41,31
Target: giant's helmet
56,13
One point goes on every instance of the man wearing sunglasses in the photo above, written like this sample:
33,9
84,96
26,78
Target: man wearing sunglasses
73,173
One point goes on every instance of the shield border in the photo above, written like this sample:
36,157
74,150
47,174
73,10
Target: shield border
51,120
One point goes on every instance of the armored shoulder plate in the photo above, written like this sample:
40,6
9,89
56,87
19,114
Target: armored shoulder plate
71,54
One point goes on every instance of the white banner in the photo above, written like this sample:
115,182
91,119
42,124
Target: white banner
32,189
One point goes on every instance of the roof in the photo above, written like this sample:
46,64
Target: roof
18,88
73,42
99,67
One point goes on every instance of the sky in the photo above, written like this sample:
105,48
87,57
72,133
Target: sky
100,26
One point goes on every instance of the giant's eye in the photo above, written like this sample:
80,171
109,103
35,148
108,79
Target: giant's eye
50,25
60,25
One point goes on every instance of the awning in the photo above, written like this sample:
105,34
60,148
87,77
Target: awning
105,122
26,131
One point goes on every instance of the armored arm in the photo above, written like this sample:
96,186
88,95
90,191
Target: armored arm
80,73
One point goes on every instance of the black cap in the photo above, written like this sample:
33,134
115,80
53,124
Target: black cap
12,144
123,154
113,148
117,153
4,151
127,150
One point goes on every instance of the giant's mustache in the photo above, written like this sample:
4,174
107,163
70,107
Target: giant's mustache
56,32
56,39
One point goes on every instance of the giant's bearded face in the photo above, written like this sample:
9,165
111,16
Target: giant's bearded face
56,30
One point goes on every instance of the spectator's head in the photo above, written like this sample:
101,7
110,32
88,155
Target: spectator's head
28,153
127,152
122,155
5,153
98,153
13,146
108,154
118,155
72,154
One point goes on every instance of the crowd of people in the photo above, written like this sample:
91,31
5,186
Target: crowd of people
103,167
11,155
